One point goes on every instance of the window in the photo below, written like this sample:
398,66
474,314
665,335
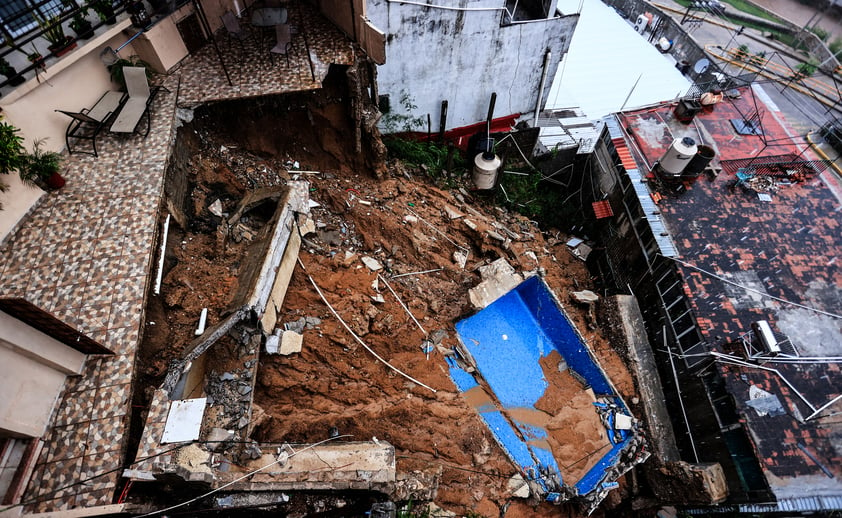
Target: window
16,15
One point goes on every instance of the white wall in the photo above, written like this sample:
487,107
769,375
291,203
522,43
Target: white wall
463,56
74,82
33,368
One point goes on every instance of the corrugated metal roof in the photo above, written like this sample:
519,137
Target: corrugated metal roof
802,504
652,212
568,128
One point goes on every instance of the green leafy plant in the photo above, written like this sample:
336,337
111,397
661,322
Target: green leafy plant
742,52
103,8
396,122
6,68
52,30
39,165
80,23
821,33
835,46
11,148
759,59
806,69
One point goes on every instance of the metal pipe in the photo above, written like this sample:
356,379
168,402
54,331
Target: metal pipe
157,290
547,55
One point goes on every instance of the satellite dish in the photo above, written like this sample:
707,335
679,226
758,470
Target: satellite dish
701,66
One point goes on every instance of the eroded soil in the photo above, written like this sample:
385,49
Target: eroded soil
335,382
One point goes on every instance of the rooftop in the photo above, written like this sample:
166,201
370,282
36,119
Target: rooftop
765,249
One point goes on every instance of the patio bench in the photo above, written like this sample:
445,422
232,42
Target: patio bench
87,123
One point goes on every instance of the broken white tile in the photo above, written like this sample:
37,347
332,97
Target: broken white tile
409,218
215,208
371,263
452,213
273,341
471,225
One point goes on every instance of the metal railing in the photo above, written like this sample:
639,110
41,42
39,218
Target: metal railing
24,43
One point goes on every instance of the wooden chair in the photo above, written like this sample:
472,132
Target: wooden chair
87,123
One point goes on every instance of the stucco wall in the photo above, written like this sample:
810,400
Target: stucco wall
34,367
462,56
72,83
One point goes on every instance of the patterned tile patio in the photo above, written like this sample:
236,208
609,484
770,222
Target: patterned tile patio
85,254
316,44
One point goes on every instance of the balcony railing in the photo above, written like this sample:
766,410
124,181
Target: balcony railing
24,23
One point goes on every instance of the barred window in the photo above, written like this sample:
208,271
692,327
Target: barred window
16,16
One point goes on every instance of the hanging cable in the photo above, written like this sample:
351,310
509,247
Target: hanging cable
247,475
763,293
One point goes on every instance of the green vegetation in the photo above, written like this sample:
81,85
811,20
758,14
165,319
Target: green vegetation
821,33
749,8
442,163
742,52
806,69
835,46
402,122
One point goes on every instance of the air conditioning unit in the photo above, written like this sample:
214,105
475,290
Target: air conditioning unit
766,338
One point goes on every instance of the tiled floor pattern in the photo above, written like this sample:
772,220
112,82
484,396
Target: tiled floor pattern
85,256
316,43
781,247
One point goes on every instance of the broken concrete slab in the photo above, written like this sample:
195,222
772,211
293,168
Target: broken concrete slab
452,213
498,279
517,486
329,466
585,297
282,280
291,343
371,263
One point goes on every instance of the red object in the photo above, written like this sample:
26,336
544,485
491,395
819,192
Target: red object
602,209
460,136
55,181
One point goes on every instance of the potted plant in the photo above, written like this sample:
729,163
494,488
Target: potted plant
52,31
11,148
105,10
41,168
80,24
10,73
36,58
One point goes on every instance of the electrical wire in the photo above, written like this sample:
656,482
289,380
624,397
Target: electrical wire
42,498
357,338
247,475
762,293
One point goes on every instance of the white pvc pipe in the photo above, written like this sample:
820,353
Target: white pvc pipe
203,320
161,258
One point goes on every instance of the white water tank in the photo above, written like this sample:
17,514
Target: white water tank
641,23
678,156
486,166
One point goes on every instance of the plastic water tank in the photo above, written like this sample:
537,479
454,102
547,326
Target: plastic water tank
486,167
678,156
698,163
